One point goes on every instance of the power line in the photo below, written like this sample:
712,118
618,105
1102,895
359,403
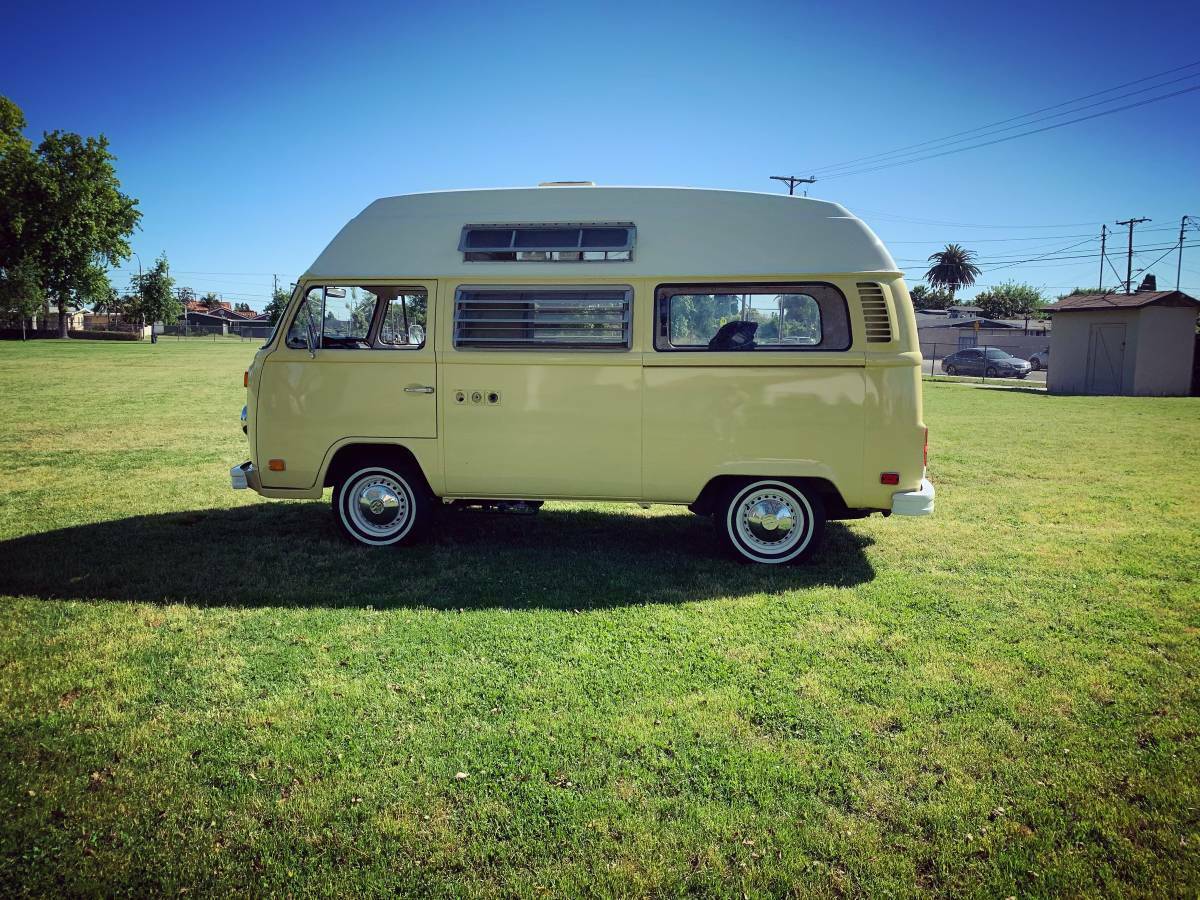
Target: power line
987,131
791,181
1013,137
1131,221
1036,258
992,260
1040,237
1183,224
938,224
979,128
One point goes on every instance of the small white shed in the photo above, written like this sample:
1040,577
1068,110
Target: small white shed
1135,344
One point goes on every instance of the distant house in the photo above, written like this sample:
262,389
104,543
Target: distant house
1136,344
963,312
222,315
942,335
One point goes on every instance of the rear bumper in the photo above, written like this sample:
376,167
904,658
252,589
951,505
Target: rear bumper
914,503
245,476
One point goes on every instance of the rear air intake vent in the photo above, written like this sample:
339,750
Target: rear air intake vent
875,312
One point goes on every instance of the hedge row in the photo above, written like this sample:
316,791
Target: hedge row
14,334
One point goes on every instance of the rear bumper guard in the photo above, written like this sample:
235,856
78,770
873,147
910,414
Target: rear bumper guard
915,503
244,476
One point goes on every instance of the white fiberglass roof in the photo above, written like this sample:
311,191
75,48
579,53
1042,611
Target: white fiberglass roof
681,232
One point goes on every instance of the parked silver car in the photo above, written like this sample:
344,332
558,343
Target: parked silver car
1040,360
990,361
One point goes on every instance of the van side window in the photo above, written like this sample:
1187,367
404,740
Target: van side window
308,314
543,318
340,315
751,317
403,326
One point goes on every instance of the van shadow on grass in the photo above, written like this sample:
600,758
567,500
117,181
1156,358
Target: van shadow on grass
289,554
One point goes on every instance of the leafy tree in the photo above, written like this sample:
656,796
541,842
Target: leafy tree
155,300
925,297
68,214
952,268
20,279
107,300
1078,290
20,293
279,302
212,300
1010,300
242,307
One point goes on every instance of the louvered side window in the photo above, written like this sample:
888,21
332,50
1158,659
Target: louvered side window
505,318
875,312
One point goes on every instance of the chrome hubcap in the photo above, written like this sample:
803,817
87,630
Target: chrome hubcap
772,521
378,505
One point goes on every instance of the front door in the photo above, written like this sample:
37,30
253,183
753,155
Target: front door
1106,359
356,362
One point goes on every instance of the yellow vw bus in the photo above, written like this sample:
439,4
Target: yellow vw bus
751,356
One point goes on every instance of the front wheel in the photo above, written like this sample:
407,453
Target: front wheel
771,521
949,370
381,505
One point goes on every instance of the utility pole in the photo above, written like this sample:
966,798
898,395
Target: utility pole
791,181
1129,256
1179,263
1103,241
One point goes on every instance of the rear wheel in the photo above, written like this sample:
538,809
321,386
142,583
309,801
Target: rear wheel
991,372
381,505
771,521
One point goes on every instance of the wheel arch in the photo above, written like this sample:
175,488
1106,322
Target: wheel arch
350,457
712,492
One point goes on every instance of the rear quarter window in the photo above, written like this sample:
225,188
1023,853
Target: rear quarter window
793,316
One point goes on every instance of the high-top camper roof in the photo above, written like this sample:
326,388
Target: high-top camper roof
679,232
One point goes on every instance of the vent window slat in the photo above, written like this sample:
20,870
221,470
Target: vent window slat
540,319
876,317
547,243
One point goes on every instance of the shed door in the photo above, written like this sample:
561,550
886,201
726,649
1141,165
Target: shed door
1106,359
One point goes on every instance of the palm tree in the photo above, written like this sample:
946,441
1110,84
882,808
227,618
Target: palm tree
952,268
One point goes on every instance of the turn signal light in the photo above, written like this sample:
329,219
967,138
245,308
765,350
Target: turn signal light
246,378
276,465
889,478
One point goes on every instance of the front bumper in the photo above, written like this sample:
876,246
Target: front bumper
245,476
914,503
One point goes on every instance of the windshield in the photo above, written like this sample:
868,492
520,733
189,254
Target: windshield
997,354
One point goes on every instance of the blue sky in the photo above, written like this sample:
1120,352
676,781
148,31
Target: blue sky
250,133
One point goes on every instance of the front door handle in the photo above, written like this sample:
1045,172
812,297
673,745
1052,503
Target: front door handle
419,389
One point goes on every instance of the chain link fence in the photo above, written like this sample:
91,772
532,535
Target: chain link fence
230,331
948,359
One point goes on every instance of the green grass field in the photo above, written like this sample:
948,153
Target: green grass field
204,690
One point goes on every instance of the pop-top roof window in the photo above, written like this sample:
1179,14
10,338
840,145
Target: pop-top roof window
548,243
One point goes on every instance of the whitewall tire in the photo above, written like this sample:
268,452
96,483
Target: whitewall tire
770,521
381,505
